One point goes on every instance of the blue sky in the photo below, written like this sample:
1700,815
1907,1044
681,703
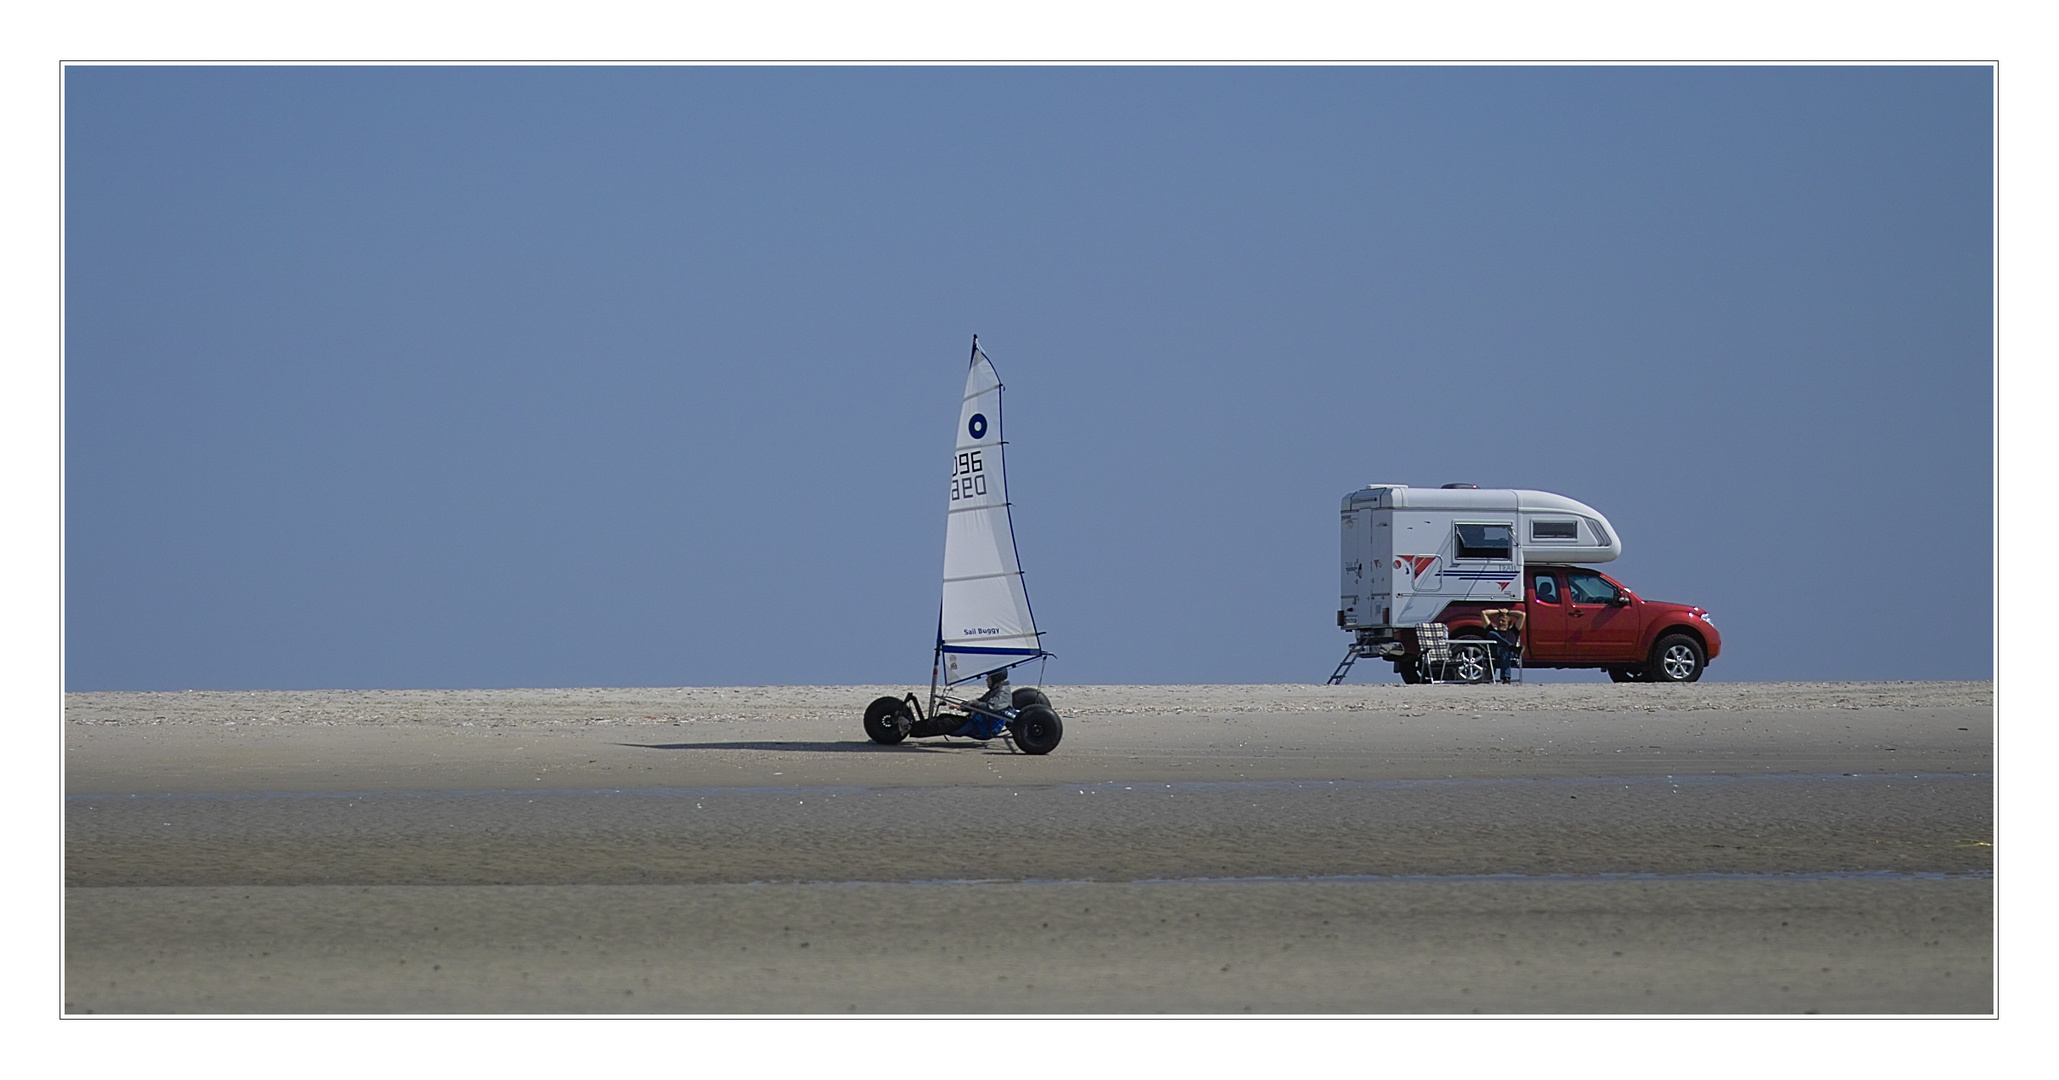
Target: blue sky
468,377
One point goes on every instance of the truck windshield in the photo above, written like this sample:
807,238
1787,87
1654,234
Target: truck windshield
1485,541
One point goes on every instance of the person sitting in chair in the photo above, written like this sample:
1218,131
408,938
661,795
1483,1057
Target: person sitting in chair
1505,626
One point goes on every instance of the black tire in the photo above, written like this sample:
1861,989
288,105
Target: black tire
1627,674
1408,671
882,720
1028,696
1676,658
1472,661
1037,730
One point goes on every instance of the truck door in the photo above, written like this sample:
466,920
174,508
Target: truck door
1546,633
1602,632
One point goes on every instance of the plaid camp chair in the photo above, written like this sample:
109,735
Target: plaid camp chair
1433,651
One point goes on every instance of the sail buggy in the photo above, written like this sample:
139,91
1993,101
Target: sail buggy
985,626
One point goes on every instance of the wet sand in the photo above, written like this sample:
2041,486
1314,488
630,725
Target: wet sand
1541,849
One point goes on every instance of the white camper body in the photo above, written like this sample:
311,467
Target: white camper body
1410,552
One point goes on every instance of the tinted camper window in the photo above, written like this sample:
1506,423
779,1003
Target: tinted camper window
1554,530
1485,541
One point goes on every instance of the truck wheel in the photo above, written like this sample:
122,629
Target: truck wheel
883,720
1472,661
1676,658
1627,674
1028,696
1037,730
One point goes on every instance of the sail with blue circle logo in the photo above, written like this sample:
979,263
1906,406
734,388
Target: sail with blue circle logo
986,621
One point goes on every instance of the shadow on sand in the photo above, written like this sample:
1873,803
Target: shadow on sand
861,746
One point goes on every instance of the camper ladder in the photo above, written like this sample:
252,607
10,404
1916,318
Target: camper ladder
1344,665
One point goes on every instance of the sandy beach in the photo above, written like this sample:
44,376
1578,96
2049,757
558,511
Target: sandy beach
1571,848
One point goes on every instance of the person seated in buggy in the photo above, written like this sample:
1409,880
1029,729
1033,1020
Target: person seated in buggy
999,695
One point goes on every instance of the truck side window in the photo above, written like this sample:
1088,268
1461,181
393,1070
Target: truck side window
1485,541
1588,587
1547,589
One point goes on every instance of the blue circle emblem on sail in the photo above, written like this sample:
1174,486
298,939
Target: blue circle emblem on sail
977,426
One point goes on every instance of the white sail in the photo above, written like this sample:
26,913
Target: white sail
986,622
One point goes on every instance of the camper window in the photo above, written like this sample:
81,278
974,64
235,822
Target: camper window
1485,541
1554,530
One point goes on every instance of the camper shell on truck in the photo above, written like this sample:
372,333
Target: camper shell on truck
1413,556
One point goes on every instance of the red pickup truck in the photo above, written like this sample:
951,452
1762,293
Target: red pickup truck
1581,618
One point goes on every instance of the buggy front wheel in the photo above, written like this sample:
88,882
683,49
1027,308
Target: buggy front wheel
883,720
1037,730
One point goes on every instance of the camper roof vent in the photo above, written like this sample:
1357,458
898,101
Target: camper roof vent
1473,486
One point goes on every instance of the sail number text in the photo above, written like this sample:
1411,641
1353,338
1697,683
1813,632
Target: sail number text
969,478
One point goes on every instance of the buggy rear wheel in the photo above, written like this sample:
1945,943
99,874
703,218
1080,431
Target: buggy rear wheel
887,720
1037,730
1028,696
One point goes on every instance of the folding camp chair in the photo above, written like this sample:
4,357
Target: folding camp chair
1433,651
